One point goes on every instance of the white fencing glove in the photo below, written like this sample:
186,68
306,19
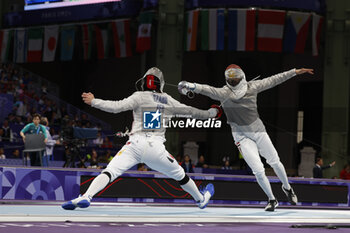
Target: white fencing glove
186,87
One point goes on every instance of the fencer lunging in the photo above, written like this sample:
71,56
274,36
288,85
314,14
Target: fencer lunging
239,100
146,145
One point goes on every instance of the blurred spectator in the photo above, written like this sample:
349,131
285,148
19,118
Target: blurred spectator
179,159
2,153
34,128
53,133
141,167
99,140
92,159
106,158
8,135
345,172
16,154
201,162
2,135
317,171
84,120
50,143
187,164
107,143
226,165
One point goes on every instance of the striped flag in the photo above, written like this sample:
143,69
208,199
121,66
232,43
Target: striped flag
35,45
86,30
317,22
5,43
121,38
191,24
50,43
270,30
241,32
102,41
212,29
143,41
297,29
67,43
20,46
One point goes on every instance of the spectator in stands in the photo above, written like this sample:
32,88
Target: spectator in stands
345,172
16,154
2,153
201,162
187,164
107,143
2,135
8,134
179,159
93,159
99,140
34,128
106,158
317,171
141,167
49,144
84,120
226,165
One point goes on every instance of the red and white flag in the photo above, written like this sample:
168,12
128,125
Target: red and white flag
317,22
121,38
50,43
270,30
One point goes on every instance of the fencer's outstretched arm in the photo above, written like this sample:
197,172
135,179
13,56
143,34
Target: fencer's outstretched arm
192,112
214,93
112,106
267,83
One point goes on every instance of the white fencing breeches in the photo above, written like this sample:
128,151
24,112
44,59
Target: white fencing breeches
148,150
251,146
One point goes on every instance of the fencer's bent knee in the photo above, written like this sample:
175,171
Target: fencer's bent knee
108,174
184,180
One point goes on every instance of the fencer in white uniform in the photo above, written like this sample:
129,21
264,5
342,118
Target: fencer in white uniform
239,100
146,145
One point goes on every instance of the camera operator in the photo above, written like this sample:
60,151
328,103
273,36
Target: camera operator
71,144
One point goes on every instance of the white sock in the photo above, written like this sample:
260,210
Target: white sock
192,189
265,185
282,175
97,185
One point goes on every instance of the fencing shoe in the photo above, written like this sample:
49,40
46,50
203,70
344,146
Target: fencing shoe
271,205
292,198
81,201
207,192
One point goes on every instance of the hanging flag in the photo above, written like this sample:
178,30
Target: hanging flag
5,43
102,35
212,29
20,46
121,38
86,40
67,43
297,29
317,22
35,45
270,30
241,29
50,43
191,24
143,41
